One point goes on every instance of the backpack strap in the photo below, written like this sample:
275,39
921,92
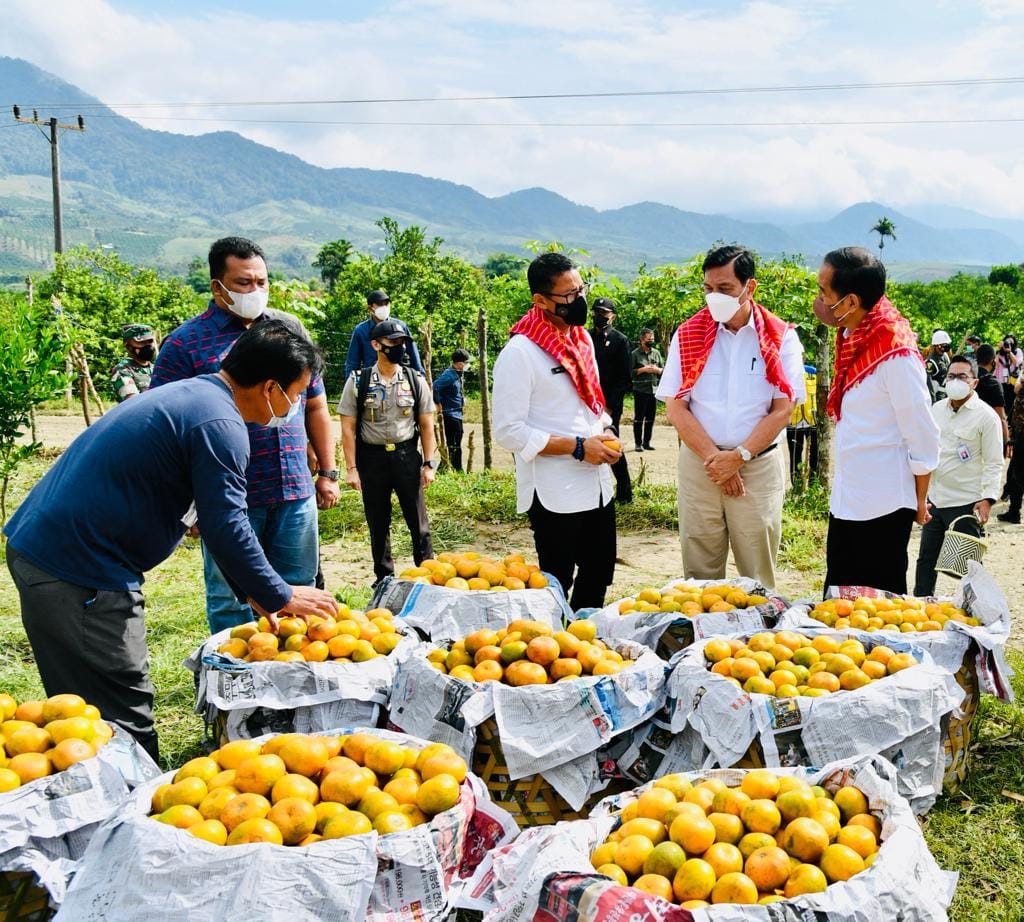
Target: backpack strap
362,387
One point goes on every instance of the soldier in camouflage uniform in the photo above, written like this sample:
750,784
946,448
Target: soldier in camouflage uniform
131,375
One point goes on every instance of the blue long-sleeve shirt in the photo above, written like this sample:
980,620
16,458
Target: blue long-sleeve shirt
448,393
361,352
110,508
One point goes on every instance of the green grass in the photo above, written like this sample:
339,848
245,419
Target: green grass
979,832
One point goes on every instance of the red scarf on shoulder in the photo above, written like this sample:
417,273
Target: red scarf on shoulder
883,333
572,350
697,336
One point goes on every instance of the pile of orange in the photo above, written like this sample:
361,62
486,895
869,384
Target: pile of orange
787,664
529,653
690,600
38,738
771,838
352,637
296,789
898,614
470,570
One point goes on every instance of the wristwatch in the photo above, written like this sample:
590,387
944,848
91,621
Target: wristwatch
432,464
330,475
744,454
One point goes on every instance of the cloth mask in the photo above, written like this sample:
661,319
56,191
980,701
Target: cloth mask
957,390
723,307
395,353
145,354
246,304
382,312
601,321
293,408
826,313
574,313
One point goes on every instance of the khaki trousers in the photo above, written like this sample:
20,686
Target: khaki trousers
710,521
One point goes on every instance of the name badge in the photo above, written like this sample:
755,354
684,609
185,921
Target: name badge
558,370
963,452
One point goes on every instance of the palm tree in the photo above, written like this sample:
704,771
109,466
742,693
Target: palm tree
884,228
331,261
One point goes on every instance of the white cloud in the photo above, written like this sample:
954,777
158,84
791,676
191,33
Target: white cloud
462,47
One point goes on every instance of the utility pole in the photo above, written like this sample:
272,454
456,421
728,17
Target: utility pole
55,127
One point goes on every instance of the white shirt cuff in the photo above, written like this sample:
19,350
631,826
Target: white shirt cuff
535,444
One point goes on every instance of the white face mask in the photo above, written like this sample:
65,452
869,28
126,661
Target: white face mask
246,304
723,307
957,389
276,421
381,312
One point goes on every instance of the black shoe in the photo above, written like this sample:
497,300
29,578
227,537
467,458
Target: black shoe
648,448
1009,517
639,448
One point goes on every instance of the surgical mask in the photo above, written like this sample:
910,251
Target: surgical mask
145,353
395,353
957,389
601,321
246,304
574,313
723,307
293,408
826,312
381,312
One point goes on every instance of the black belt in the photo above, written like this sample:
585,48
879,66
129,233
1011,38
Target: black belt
387,446
760,454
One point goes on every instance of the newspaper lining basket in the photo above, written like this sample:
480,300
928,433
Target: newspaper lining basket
22,898
531,800
958,548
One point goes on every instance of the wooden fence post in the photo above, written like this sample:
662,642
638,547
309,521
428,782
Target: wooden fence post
485,397
823,364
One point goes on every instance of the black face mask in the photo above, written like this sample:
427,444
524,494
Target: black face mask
145,354
574,313
602,321
395,353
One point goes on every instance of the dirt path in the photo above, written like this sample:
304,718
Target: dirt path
645,559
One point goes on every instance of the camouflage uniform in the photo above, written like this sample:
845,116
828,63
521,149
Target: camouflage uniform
128,378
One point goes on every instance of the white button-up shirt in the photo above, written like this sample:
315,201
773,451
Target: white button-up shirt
975,431
732,394
534,399
885,435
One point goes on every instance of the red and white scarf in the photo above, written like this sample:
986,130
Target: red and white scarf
697,337
571,349
882,334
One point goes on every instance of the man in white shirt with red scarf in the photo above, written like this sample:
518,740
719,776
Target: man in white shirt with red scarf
549,411
733,374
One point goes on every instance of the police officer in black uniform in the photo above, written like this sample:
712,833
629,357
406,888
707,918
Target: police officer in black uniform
614,357
386,409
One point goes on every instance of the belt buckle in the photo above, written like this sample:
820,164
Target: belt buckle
389,446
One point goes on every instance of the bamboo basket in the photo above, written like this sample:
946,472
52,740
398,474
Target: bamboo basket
22,898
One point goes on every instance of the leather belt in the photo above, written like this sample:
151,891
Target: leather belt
387,446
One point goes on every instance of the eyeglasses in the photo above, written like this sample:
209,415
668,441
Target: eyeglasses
568,296
963,377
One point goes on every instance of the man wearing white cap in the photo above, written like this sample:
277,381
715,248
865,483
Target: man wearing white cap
936,364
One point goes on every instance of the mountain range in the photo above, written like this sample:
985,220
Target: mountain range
159,198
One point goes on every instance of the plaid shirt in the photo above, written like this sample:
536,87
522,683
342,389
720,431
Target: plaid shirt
278,471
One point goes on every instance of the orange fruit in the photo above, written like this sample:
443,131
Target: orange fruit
655,884
222,779
8,705
244,807
584,629
735,888
805,878
349,823
796,803
728,827
295,785
341,646
355,746
442,763
900,661
641,826
30,711
525,672
730,800
752,841
60,707
850,801
35,739
255,830
8,780
860,839
631,852
805,838
695,834
677,783
543,650
479,639
403,789
487,670
181,816
347,787
232,754
259,774
437,794
762,816
768,868
868,821
694,880
665,860
390,821
326,810
840,862
724,858
385,757
615,873
295,817
67,752
654,803
189,791
210,830
29,766
213,804
202,767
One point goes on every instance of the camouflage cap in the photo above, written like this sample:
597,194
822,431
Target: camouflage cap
140,332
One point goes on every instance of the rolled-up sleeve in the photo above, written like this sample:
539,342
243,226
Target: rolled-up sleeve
992,457
513,383
908,393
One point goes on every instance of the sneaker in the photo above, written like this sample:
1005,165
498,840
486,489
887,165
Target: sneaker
639,448
648,448
1009,517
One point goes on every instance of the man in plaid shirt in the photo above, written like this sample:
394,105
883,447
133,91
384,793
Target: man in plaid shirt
282,496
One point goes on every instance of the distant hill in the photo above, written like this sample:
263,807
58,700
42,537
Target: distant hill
160,198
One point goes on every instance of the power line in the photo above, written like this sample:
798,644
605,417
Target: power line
612,94
744,124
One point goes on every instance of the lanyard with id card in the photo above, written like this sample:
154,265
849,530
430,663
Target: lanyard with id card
963,452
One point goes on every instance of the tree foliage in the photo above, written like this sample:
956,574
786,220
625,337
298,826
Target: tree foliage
331,261
884,228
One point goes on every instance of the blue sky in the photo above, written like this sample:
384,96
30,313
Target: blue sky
130,52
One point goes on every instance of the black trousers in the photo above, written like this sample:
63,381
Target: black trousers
381,473
580,544
620,469
801,441
453,429
1015,476
931,542
89,642
869,553
645,408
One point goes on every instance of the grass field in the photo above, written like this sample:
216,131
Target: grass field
979,832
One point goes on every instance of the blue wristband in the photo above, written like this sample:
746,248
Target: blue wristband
577,452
